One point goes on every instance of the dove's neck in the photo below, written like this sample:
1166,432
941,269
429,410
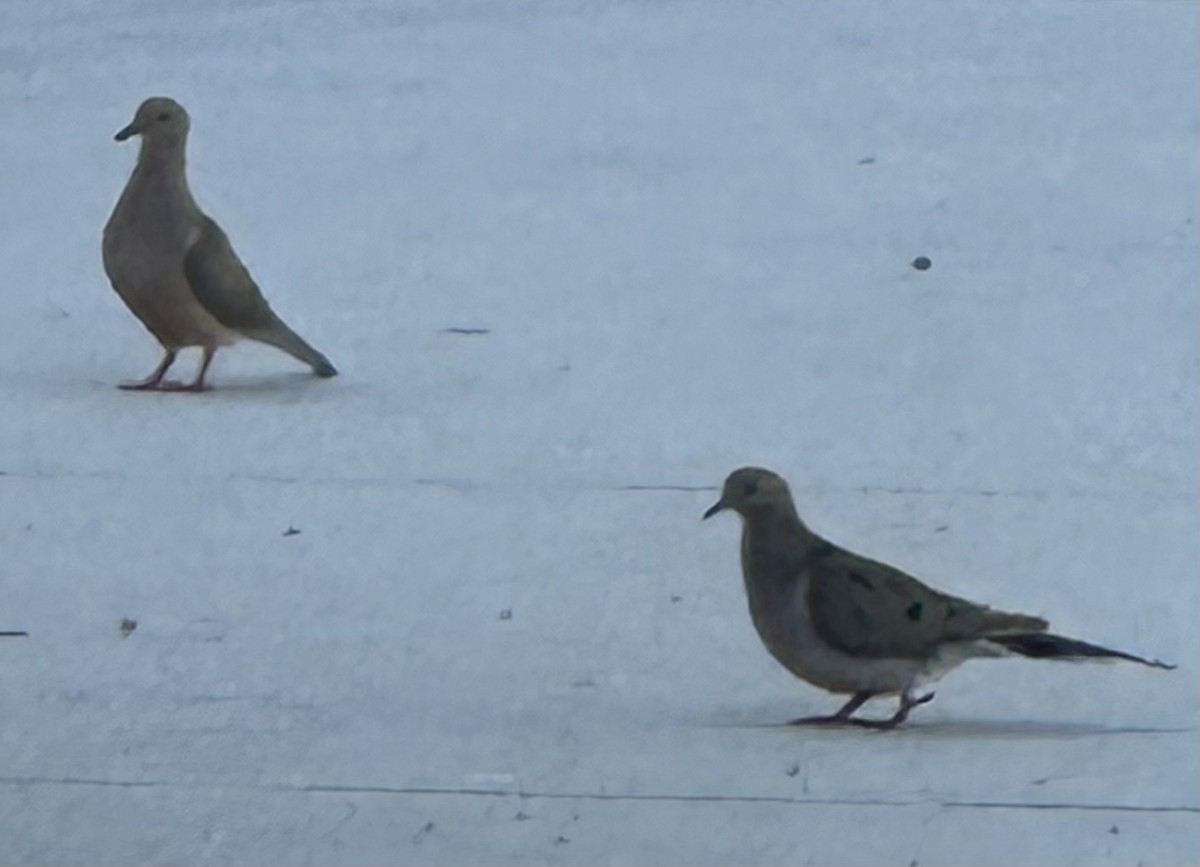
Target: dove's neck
166,160
161,167
775,545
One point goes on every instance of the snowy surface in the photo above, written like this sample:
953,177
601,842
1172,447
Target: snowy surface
501,634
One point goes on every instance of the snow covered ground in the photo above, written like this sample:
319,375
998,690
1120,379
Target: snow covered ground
501,633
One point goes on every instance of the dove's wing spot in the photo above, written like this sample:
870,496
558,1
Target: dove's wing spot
818,551
857,578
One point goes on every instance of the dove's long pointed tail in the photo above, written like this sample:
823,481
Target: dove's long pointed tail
1043,645
282,337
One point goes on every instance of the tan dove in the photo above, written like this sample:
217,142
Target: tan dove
173,266
856,626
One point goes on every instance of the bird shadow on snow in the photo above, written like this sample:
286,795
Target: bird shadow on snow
984,728
969,728
268,385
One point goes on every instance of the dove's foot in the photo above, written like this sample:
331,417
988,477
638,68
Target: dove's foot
154,382
828,720
844,715
154,385
907,703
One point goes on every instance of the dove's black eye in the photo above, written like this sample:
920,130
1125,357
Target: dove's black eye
750,489
166,115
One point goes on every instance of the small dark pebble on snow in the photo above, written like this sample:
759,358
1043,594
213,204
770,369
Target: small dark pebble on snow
922,263
291,531
127,627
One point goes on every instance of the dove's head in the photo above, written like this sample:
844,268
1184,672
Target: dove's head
752,489
158,120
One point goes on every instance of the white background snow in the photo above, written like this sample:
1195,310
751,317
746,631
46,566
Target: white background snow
502,634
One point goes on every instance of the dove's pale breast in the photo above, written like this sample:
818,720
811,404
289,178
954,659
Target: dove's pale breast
145,241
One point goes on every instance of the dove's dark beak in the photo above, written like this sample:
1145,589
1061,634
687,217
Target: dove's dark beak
718,506
130,130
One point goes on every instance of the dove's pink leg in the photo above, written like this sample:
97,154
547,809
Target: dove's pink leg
907,703
154,381
843,716
839,718
197,384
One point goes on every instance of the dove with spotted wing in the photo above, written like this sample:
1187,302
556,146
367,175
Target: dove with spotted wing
856,626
